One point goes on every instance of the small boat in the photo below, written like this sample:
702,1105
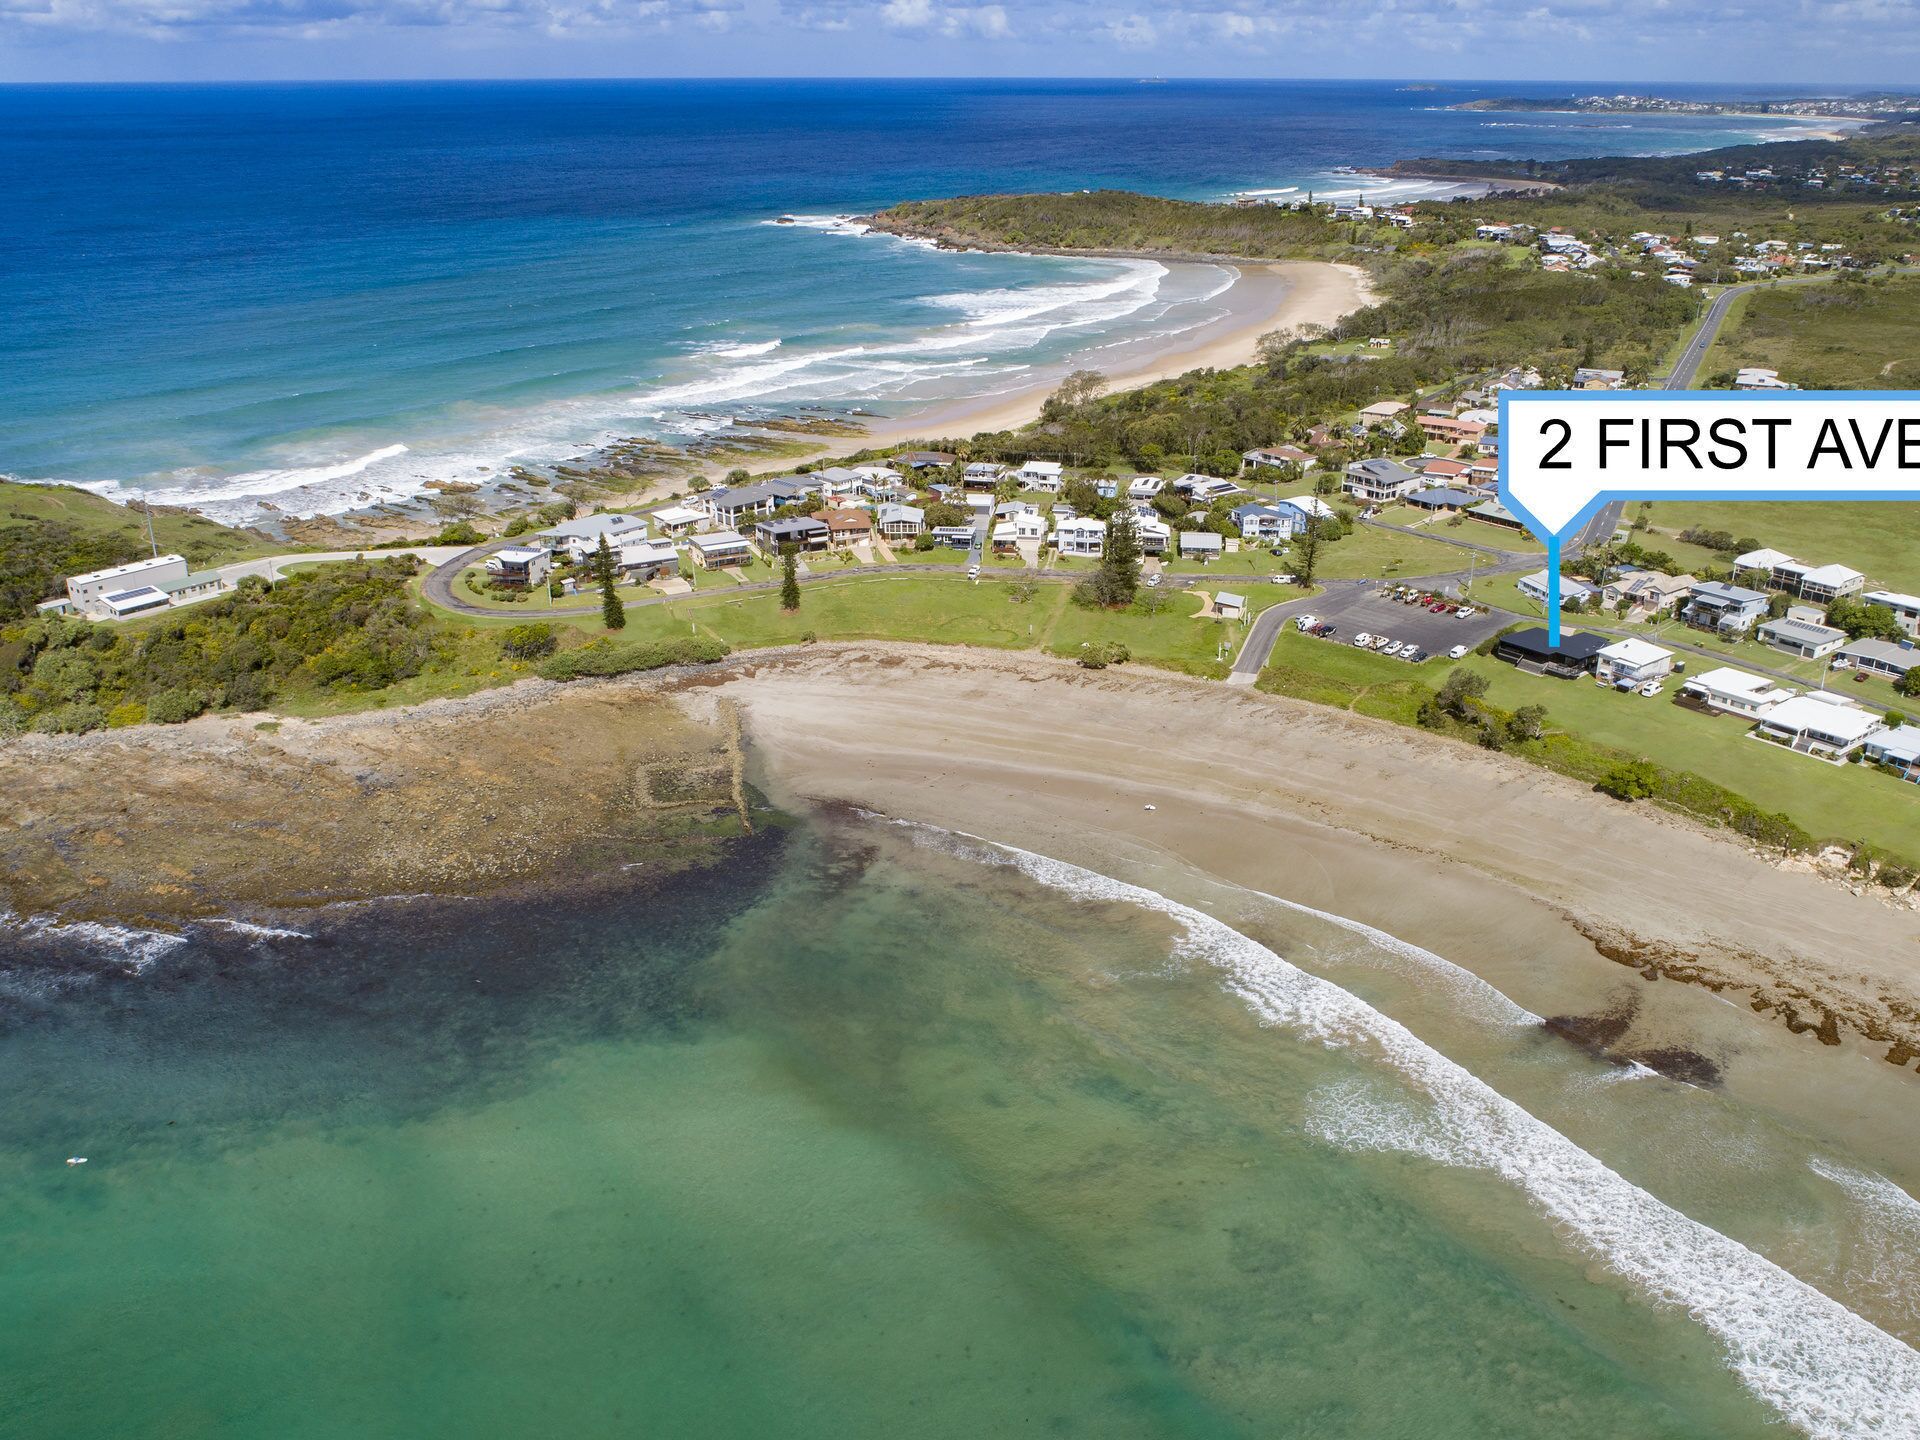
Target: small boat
76,1159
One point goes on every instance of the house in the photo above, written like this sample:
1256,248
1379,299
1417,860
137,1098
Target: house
1079,535
836,481
1452,429
1229,606
1889,658
957,537
581,537
1044,475
1733,692
1022,527
644,560
1586,377
1307,507
1485,469
1760,563
1753,377
1897,750
1381,411
1266,523
1201,545
1822,584
846,525
678,519
1906,608
1155,534
1830,727
1729,609
926,459
1443,497
1808,639
1536,588
719,549
981,472
1646,592
1379,482
1494,513
735,505
1145,487
803,533
120,590
901,522
1205,489
1632,662
520,567
1280,455
1533,650
1438,470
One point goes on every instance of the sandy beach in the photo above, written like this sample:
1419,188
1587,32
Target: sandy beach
1570,904
1265,297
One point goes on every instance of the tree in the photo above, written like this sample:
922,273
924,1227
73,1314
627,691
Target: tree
612,613
1306,551
1076,390
1461,691
1863,621
1909,683
1529,722
1117,580
789,579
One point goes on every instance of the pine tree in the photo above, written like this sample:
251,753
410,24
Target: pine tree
1117,580
612,613
789,579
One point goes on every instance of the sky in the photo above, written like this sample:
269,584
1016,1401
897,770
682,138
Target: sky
1824,44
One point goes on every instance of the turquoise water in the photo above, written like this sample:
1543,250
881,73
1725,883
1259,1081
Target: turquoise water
317,297
875,1132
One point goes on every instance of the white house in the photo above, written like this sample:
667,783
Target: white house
1822,584
1203,545
901,522
1079,535
1229,606
642,560
678,519
1797,635
1155,534
1040,475
581,537
1145,487
1632,662
1828,726
1735,692
1306,507
1379,481
1205,489
519,565
1267,523
721,548
124,589
1534,587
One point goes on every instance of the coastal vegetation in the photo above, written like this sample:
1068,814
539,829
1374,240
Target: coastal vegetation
1116,222
48,532
1827,337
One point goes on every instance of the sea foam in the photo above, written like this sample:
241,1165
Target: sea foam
1829,1372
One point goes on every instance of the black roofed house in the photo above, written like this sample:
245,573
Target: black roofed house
804,533
1532,651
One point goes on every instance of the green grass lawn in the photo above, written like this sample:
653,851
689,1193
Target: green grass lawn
1334,672
1827,337
205,543
1372,554
1881,539
1841,802
1252,563
1171,638
861,607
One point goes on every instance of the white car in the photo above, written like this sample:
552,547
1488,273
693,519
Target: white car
1458,652
973,572
1306,622
1363,640
1153,580
1650,689
1393,650
1380,642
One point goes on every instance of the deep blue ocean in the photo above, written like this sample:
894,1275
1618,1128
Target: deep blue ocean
329,294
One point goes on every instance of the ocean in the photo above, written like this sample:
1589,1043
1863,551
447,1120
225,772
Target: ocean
322,297
878,1130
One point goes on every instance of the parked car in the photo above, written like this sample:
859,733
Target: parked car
1283,578
1458,652
1380,642
1153,581
1326,632
973,572
1650,689
1415,656
1363,640
1307,622
1466,612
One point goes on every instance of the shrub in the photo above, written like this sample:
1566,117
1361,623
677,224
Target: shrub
1634,780
603,658
74,719
460,532
532,641
175,707
1103,653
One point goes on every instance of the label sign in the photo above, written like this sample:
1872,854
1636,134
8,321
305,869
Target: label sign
1566,454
